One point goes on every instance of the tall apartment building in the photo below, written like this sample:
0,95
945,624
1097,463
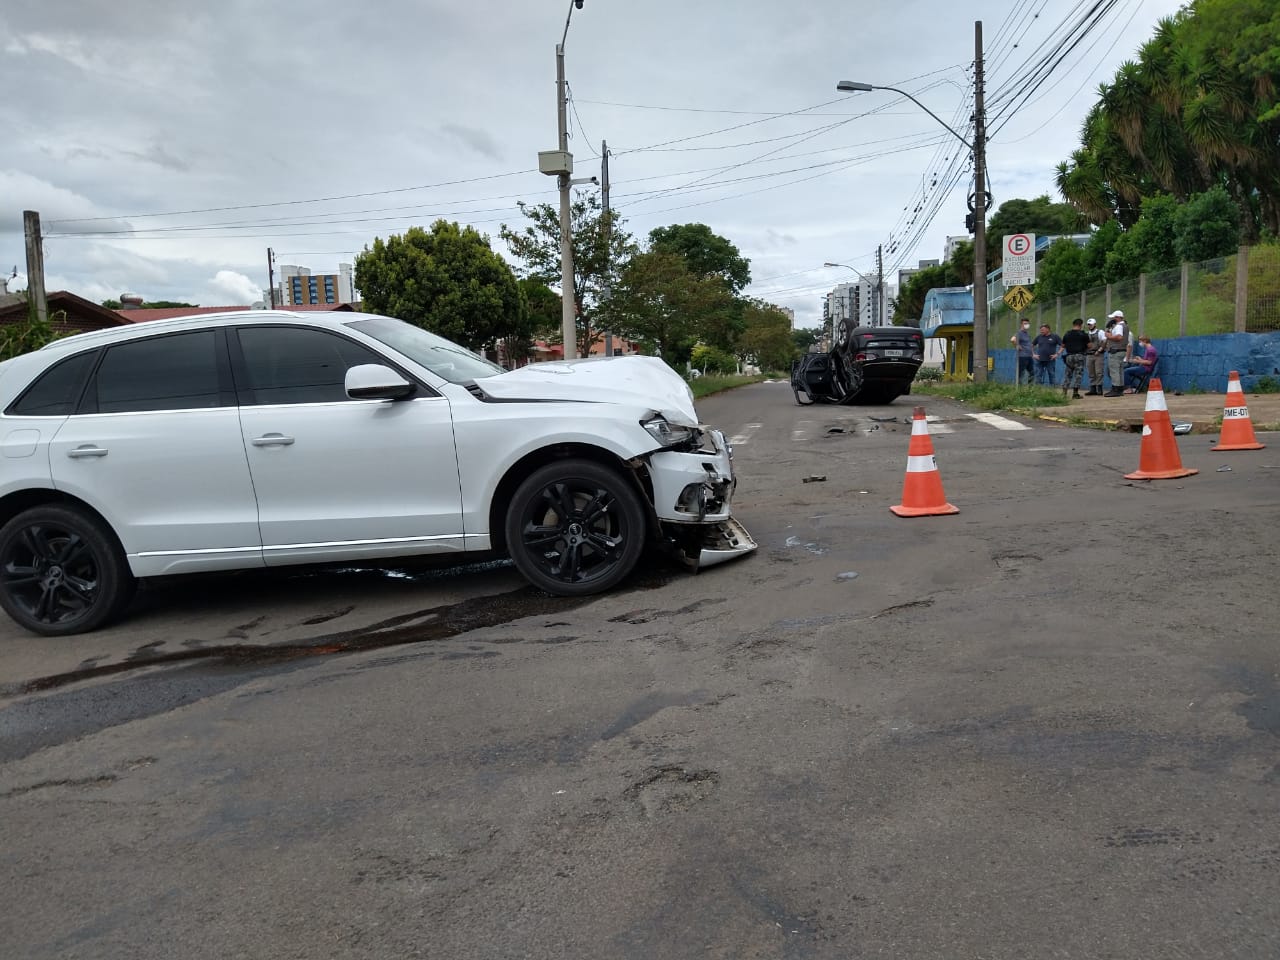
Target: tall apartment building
298,285
860,302
951,243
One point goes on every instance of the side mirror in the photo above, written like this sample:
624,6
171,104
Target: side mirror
373,381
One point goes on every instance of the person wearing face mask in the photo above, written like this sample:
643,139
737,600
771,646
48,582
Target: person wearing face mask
1026,359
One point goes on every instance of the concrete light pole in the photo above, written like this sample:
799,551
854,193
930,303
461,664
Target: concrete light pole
978,203
563,170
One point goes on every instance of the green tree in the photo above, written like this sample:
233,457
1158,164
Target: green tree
909,305
706,254
768,336
802,338
1200,107
659,303
150,304
446,280
1207,226
1061,270
709,359
543,305
1096,250
600,250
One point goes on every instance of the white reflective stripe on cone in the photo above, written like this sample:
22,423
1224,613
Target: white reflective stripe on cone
1155,401
921,464
919,426
1233,386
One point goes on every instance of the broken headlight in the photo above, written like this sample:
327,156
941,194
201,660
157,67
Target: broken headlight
669,434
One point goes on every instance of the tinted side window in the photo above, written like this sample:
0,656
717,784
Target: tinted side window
168,373
296,365
56,391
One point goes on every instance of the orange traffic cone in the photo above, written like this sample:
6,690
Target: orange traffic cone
922,494
1237,428
1158,458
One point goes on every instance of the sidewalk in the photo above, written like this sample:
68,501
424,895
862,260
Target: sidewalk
1203,410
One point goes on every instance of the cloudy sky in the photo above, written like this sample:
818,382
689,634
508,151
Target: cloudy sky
167,144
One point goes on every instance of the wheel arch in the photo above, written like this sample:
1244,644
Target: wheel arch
12,504
634,470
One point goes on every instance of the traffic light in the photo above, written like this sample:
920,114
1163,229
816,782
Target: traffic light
970,222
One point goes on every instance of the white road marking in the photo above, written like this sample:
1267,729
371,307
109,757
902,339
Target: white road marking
801,432
936,426
999,422
745,435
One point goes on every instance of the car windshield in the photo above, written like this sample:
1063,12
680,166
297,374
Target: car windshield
442,357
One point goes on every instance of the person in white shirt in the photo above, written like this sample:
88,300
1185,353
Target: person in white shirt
1117,347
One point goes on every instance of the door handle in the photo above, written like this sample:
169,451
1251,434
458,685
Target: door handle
80,453
269,440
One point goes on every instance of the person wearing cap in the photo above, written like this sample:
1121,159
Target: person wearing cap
1022,340
1048,347
1075,343
1117,347
1140,367
1095,357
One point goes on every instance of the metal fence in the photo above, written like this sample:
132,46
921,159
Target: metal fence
1198,299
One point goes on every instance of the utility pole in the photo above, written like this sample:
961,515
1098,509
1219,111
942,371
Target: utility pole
568,301
880,312
271,278
979,215
35,264
608,233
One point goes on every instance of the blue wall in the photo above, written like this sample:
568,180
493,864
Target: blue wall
1203,362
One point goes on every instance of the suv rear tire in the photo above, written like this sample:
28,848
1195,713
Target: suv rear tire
62,571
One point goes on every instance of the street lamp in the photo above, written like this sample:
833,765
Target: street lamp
559,163
979,202
877,285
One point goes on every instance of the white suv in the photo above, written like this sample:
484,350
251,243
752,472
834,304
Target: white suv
265,438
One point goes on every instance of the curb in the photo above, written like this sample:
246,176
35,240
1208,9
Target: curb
1126,424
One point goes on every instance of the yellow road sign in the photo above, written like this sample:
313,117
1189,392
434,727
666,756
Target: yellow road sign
1019,298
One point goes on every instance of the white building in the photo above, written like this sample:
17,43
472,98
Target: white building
951,244
298,285
860,302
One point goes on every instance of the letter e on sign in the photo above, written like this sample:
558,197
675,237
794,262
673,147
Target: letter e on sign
1019,259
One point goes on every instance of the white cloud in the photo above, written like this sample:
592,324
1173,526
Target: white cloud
233,289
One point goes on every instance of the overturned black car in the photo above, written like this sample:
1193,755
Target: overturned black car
866,365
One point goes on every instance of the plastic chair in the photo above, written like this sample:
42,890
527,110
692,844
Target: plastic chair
1143,378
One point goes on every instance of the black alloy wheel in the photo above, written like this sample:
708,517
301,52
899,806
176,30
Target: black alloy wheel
576,527
843,332
61,572
850,374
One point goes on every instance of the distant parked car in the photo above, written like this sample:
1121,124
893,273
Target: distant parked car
267,438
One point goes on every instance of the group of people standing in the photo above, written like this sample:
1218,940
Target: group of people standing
1085,346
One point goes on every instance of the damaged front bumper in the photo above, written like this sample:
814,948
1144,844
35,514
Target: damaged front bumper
692,494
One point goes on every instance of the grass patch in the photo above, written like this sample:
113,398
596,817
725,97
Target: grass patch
706,386
996,396
1267,384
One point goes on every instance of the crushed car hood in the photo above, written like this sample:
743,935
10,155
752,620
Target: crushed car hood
641,381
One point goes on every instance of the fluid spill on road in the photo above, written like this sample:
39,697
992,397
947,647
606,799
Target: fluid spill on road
435,623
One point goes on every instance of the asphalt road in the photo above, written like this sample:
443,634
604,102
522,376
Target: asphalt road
1044,727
